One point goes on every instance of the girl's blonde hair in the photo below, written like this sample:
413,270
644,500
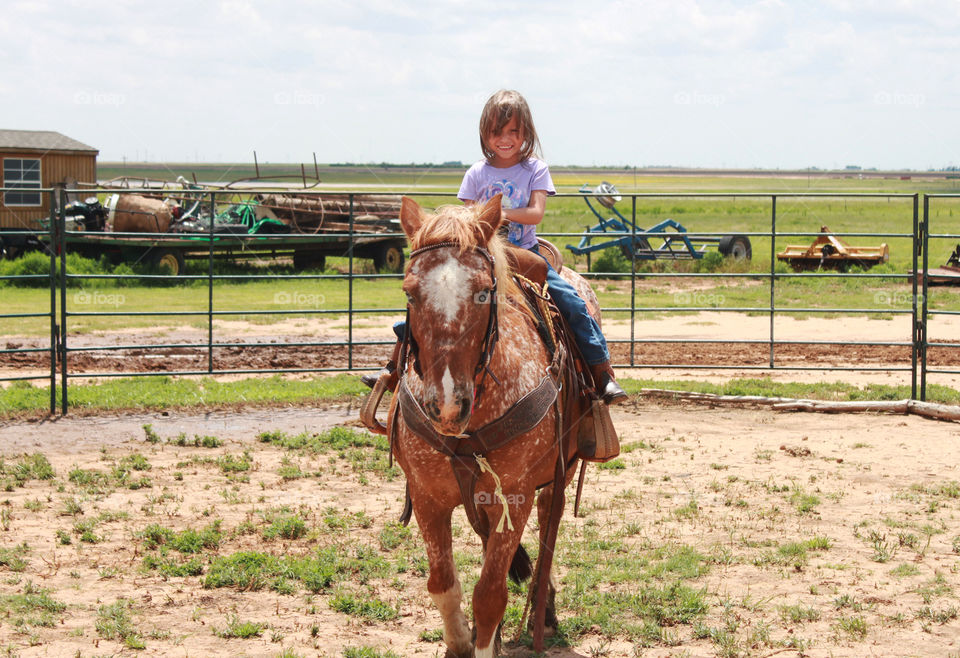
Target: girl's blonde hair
500,108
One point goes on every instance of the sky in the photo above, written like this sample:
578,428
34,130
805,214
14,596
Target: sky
692,83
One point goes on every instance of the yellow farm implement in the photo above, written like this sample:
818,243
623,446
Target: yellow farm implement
830,252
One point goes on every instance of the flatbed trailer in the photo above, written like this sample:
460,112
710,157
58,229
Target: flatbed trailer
307,251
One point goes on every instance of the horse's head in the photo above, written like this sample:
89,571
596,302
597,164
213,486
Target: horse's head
451,284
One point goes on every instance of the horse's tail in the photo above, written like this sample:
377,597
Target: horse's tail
520,568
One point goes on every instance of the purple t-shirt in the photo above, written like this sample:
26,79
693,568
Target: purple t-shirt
483,181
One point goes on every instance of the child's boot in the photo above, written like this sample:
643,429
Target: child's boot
607,387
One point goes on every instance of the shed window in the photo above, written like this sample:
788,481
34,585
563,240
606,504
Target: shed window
21,173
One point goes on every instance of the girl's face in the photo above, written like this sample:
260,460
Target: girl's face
506,144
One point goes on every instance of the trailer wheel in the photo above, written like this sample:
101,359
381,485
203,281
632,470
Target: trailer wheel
168,259
736,246
388,257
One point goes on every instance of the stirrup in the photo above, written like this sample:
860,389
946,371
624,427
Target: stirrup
368,409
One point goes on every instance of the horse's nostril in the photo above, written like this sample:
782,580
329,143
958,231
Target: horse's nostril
433,411
465,404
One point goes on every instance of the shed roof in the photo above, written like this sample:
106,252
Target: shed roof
41,140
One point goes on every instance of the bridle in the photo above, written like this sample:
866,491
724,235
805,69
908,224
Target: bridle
491,334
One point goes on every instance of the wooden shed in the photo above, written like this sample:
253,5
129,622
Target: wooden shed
34,159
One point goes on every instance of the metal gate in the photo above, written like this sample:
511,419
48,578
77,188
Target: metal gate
61,311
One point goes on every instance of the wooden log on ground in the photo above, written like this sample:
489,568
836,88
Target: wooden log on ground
925,409
932,410
825,406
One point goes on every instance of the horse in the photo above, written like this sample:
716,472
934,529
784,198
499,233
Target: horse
474,357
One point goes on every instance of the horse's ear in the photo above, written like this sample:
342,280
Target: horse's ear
410,218
491,214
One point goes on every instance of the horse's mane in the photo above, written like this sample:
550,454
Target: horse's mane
459,224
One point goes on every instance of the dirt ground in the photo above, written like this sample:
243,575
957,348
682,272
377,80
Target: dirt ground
799,358
817,535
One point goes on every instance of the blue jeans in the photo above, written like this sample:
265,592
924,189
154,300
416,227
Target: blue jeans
585,329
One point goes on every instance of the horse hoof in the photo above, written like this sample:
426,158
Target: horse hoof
463,654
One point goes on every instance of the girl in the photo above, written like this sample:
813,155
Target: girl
509,142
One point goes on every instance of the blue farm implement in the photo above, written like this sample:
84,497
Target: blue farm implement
667,240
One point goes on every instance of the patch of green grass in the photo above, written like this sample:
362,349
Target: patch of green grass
285,526
905,570
161,392
364,606
229,463
254,570
616,464
197,441
33,607
169,567
941,616
798,613
853,627
689,511
337,439
35,466
368,652
236,628
804,502
393,535
289,470
12,558
114,622
432,635
184,541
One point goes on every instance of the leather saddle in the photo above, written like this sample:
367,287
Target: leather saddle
531,266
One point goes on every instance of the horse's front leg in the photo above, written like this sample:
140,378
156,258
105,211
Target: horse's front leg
490,593
443,583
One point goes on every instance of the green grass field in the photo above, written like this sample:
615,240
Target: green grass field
733,209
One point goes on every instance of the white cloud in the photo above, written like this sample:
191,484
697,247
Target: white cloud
764,83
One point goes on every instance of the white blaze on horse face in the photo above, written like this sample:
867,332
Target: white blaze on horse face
484,653
447,383
446,288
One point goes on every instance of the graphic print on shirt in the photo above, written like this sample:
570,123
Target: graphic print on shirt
513,197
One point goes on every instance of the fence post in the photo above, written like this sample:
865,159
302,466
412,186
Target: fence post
213,220
633,278
922,325
916,330
773,261
54,329
62,253
350,292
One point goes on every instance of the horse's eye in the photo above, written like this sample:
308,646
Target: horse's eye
409,297
482,297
